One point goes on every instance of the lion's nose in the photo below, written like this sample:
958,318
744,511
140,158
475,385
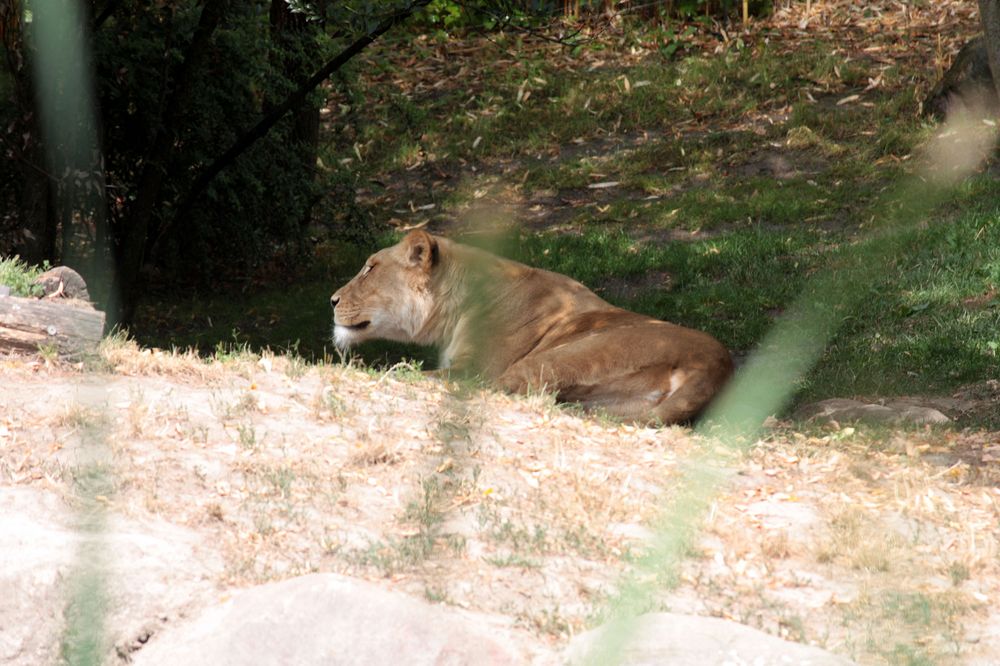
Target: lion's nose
334,300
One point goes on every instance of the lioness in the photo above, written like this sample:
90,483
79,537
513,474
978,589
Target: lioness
523,328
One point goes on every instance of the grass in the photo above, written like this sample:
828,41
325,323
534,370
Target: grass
424,515
94,483
19,276
913,620
930,324
247,436
519,538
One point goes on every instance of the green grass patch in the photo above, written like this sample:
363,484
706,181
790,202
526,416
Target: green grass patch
19,276
932,322
539,100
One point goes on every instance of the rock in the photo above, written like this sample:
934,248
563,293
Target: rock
330,619
671,639
894,412
35,555
918,414
784,515
156,571
63,281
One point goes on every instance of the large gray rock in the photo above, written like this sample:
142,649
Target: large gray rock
670,639
34,555
64,282
329,619
893,412
152,572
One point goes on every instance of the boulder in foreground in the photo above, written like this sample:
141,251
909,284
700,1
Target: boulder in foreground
327,619
671,639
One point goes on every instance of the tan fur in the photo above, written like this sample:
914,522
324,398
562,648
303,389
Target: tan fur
525,328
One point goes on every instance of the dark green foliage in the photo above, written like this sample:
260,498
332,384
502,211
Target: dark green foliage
9,172
452,14
259,202
209,121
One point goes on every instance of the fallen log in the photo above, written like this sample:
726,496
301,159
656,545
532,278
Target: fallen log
29,325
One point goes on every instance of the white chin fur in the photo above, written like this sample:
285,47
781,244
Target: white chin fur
344,337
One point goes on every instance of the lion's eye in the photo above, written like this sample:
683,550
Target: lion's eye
367,269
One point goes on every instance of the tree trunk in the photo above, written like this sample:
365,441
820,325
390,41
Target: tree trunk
293,36
135,225
989,15
36,212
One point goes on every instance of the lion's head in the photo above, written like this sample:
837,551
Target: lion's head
390,298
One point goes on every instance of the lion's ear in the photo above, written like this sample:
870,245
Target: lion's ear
421,248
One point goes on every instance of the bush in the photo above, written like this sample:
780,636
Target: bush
19,276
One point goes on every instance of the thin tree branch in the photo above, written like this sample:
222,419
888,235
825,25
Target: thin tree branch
106,13
17,155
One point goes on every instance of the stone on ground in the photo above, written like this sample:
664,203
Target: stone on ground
330,619
671,639
894,412
154,572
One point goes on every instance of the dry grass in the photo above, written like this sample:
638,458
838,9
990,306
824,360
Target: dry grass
515,506
857,540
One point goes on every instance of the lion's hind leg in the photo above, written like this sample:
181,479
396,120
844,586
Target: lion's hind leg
630,393
690,398
650,385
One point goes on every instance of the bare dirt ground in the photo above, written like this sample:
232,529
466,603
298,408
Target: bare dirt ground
880,546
